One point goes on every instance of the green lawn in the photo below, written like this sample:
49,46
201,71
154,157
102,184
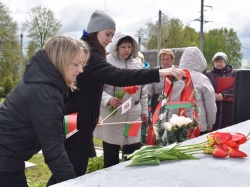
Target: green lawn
2,100
38,176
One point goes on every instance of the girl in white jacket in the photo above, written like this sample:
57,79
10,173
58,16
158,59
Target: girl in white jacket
124,54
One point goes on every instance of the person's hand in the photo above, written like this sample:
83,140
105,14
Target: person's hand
115,102
180,75
144,117
100,122
170,71
209,128
219,97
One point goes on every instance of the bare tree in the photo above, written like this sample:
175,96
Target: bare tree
41,25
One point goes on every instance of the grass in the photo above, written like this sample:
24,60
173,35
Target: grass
98,142
2,100
39,176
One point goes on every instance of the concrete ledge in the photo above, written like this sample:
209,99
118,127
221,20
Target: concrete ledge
206,172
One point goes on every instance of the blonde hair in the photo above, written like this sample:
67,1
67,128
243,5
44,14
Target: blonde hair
62,50
141,56
166,52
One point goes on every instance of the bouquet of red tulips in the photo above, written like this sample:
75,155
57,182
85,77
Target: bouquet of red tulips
219,144
131,89
120,94
223,144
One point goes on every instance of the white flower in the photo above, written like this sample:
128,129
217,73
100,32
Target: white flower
168,126
179,120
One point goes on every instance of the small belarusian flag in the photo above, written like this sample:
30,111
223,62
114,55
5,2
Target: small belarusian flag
70,124
126,106
132,129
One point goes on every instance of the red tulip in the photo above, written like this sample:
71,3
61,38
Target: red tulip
135,87
222,137
225,147
220,152
210,136
131,89
239,138
235,153
232,144
125,89
210,139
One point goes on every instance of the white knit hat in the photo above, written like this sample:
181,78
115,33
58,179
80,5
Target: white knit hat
99,21
220,54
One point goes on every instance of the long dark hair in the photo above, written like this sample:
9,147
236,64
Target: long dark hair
96,43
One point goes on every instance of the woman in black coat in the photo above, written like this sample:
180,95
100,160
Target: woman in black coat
86,101
32,113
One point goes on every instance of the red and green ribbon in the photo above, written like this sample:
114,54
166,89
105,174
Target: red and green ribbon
186,100
70,123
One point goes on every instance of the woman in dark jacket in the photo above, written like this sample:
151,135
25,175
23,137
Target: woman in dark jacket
224,108
32,113
86,101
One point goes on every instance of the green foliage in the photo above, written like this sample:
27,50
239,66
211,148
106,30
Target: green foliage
41,25
38,176
119,95
173,34
144,131
97,142
2,100
9,45
95,163
7,85
177,134
222,40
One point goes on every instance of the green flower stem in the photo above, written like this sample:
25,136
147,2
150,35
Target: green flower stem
202,143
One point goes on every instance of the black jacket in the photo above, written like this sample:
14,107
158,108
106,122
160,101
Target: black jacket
86,101
31,120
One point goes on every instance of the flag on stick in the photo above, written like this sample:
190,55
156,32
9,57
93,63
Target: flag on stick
126,106
70,124
132,129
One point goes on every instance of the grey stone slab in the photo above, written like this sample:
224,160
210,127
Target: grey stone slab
205,172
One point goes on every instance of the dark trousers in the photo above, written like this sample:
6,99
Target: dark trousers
111,152
80,165
13,179
204,132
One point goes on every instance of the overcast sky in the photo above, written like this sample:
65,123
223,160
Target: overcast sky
130,15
